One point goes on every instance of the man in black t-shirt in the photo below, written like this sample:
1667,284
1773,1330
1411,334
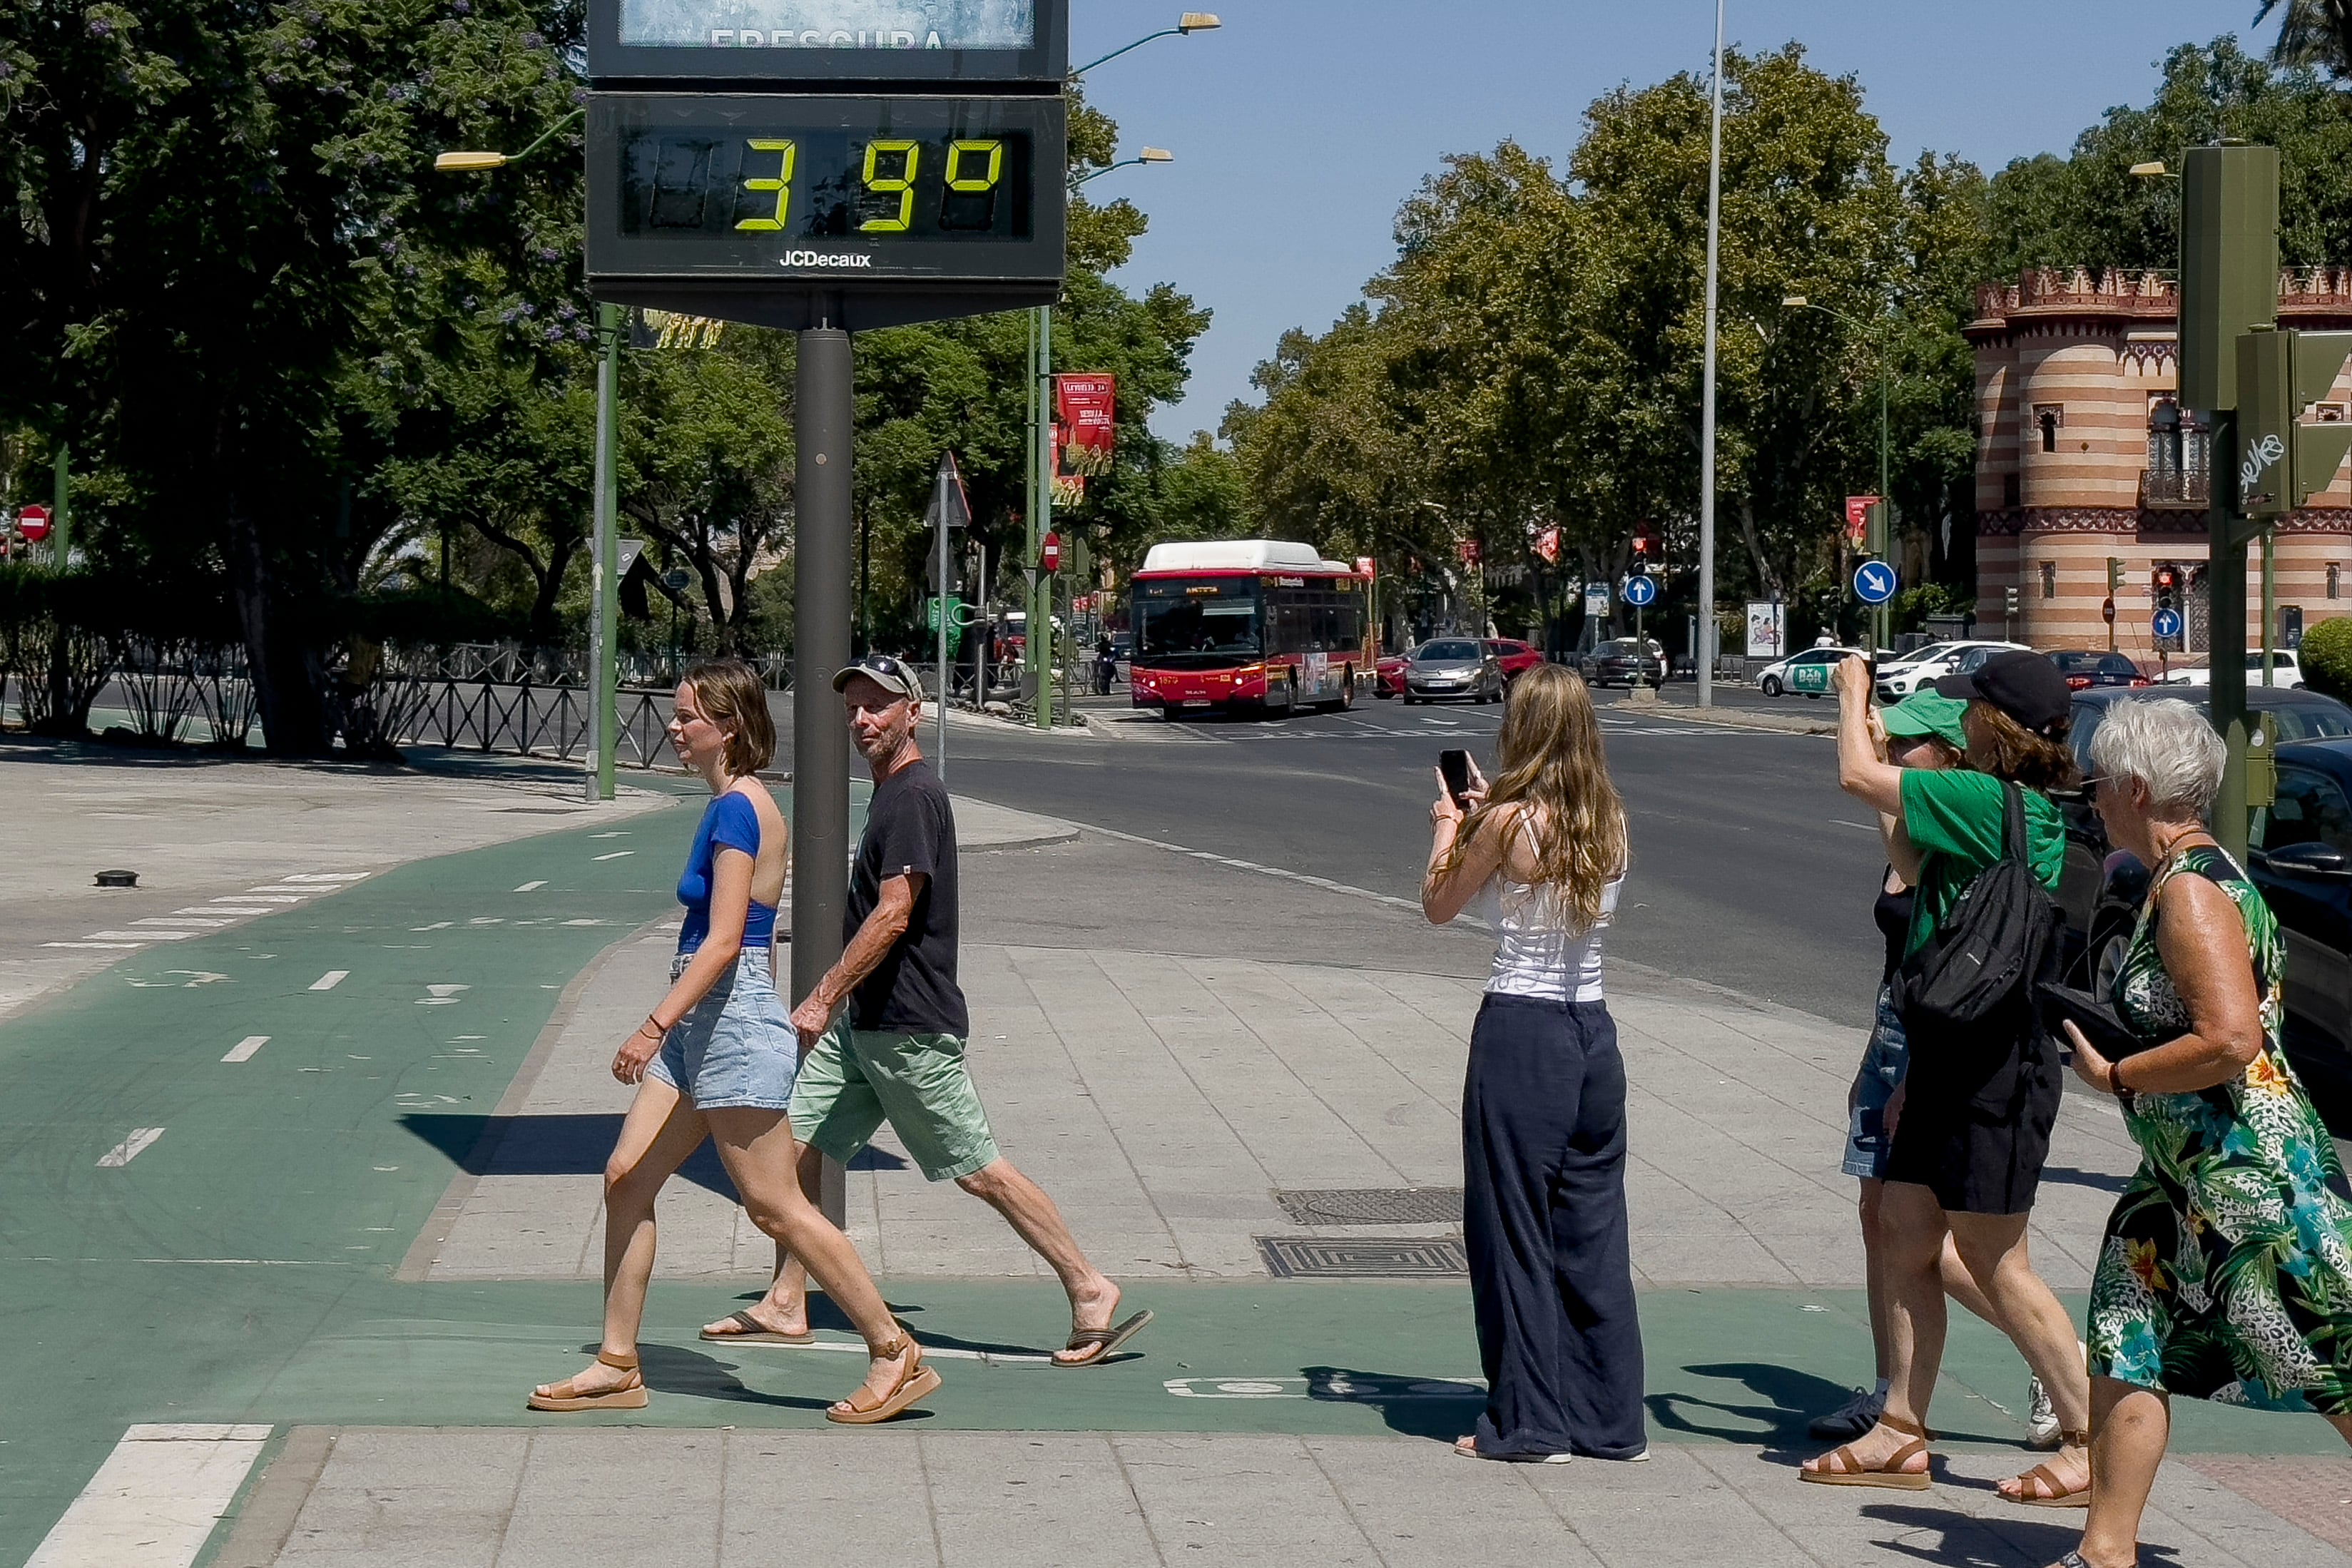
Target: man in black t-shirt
897,1052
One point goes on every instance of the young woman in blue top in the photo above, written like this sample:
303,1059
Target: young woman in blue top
716,1057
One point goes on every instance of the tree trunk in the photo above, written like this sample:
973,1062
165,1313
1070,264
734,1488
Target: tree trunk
282,666
1765,574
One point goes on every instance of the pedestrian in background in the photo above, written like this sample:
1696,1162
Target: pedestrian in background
716,1058
1979,1100
1106,666
1923,731
883,1032
2226,1269
1544,850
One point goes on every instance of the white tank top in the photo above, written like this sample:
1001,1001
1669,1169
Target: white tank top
1538,952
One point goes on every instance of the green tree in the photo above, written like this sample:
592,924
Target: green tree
2311,33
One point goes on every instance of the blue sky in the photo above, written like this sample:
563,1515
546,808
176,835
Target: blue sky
1301,125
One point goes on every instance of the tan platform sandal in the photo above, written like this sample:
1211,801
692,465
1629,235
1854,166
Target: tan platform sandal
630,1396
1842,1469
863,1409
2042,1483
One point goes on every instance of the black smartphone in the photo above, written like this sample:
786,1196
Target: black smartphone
1455,768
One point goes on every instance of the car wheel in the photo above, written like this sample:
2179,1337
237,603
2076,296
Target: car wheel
1772,686
1410,699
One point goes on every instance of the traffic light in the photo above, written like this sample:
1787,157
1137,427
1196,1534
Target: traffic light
2164,582
2008,603
1875,529
2115,575
2281,460
1642,552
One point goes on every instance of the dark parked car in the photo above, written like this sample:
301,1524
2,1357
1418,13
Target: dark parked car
1619,662
2086,669
1452,667
1515,657
2299,855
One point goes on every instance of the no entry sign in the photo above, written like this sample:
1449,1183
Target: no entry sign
1049,553
33,522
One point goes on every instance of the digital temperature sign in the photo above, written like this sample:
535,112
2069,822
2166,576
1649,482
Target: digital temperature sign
706,202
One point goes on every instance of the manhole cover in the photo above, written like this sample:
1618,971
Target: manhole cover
1405,1257
1372,1205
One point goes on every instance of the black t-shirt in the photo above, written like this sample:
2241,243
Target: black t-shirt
1893,914
910,829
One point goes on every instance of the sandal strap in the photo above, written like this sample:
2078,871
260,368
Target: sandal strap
618,1362
1902,1456
2074,1439
1910,1429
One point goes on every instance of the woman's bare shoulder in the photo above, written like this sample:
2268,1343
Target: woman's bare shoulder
770,815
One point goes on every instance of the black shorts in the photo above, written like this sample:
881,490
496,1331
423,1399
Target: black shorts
1977,1107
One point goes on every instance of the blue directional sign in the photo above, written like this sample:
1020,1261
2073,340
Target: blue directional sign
2168,623
1875,582
1640,591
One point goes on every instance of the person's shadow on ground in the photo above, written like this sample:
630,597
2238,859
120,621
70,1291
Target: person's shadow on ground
1438,1408
1793,1399
1967,1541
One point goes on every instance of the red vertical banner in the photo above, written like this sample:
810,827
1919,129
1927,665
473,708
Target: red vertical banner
1086,431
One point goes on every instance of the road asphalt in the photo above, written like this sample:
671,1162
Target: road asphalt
294,1211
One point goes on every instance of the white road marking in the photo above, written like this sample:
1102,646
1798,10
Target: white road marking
436,925
140,935
616,854
225,910
583,922
531,887
260,897
442,995
616,833
329,981
156,1500
179,921
123,1154
328,877
113,944
243,1050
1841,822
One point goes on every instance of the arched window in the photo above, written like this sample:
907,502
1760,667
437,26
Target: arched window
2050,417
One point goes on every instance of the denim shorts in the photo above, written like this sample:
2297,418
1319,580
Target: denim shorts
1884,1062
735,1047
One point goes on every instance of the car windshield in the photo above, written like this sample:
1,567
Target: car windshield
1917,656
2305,720
1437,650
2077,663
1196,623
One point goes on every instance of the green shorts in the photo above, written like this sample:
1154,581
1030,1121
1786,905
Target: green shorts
853,1080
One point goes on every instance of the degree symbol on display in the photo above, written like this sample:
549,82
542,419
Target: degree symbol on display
1873,581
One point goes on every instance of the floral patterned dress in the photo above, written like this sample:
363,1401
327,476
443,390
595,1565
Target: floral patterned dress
2226,1271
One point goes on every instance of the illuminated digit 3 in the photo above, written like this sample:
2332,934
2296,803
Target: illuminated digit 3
903,186
782,185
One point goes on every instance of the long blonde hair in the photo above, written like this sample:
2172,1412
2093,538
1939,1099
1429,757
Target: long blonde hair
1552,776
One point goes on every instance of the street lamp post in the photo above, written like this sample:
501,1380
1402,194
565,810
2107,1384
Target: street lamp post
1885,371
603,626
1706,651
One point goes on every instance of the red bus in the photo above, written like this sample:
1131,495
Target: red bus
1251,624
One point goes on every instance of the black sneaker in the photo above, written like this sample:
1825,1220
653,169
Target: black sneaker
1852,1419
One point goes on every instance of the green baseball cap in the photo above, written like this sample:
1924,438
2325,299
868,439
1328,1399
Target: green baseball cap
1926,713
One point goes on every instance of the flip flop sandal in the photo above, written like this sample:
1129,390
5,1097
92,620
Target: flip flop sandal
749,1330
1104,1342
1471,1452
2048,1491
1843,1469
630,1396
862,1409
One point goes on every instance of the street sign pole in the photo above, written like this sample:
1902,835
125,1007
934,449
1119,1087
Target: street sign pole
940,607
605,592
61,509
1039,649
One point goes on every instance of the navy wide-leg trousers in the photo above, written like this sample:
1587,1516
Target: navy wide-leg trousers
1551,1270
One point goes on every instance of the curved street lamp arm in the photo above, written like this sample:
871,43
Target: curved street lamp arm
1163,33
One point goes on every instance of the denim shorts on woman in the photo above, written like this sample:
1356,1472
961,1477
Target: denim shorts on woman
1884,1062
735,1047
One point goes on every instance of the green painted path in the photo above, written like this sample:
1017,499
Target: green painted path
240,1266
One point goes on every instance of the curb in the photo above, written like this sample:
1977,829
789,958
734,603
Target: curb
1737,718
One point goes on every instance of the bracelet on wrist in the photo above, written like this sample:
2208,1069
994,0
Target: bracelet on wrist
654,1026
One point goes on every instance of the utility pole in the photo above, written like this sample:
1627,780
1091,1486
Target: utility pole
60,508
1706,415
605,587
1037,650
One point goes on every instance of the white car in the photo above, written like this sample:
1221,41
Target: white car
2286,670
1903,676
1807,672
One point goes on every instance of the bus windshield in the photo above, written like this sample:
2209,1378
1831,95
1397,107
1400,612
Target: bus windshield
1197,623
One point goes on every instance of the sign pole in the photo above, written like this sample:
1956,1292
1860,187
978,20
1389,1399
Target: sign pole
603,585
940,607
825,412
1039,647
60,508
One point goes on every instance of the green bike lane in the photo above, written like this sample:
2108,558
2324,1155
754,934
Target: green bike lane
240,1266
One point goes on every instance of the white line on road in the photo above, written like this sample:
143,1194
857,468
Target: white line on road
1841,822
140,935
531,887
616,854
243,1050
258,897
223,910
123,1154
117,944
180,921
329,981
157,1498
328,877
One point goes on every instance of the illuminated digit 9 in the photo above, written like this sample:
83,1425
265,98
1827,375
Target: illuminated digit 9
782,185
902,187
958,181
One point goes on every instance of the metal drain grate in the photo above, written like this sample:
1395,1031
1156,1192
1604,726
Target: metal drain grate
1409,1258
1372,1205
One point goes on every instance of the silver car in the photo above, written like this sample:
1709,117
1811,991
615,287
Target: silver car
1450,668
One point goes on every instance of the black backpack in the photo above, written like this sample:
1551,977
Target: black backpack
1999,937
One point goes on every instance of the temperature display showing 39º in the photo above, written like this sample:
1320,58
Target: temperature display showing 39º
786,182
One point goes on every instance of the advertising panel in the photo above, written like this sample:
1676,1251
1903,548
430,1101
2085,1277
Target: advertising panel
1086,424
817,41
1767,629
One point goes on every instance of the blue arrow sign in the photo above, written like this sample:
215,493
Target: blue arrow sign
1875,582
2168,623
1640,591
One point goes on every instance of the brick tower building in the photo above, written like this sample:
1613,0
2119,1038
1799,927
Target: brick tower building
2083,454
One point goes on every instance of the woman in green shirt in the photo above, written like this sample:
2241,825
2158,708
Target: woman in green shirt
1973,1126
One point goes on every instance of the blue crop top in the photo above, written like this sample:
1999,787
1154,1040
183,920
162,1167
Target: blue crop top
729,822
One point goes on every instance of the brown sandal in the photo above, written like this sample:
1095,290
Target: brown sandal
1101,1344
630,1396
1842,1469
2047,1490
862,1409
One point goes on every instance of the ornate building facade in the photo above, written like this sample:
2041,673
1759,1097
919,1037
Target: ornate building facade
2084,455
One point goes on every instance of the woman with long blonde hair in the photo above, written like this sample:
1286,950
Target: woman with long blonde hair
1543,850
